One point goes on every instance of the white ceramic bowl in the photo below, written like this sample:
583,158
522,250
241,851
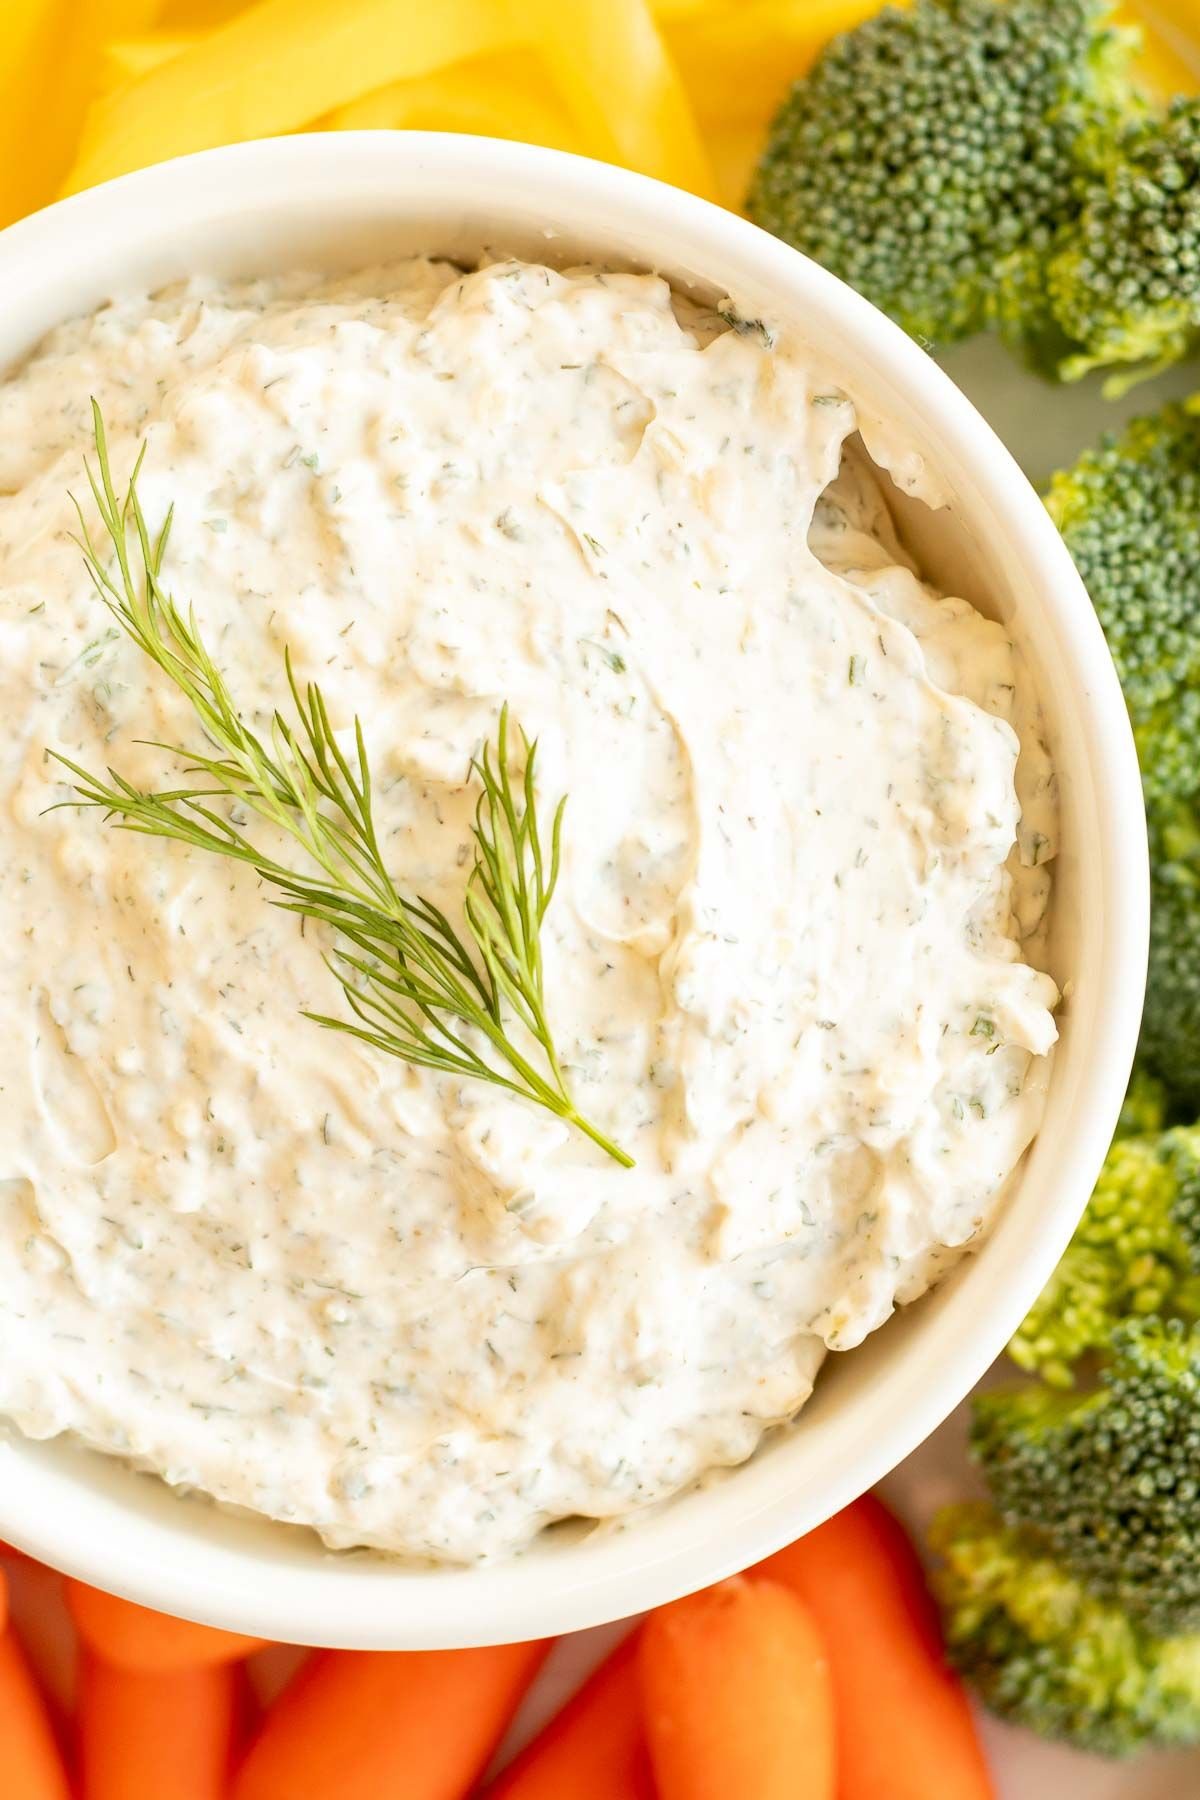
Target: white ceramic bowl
347,199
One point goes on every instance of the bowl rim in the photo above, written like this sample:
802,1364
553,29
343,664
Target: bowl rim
367,1602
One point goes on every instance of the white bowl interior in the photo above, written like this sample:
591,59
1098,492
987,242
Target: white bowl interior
352,199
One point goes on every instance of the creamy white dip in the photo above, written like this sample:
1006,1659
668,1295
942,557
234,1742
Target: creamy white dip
786,967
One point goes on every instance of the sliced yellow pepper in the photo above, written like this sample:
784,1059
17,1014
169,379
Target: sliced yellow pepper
1170,61
28,30
48,51
274,68
201,15
506,96
735,149
127,58
738,63
626,80
669,10
608,60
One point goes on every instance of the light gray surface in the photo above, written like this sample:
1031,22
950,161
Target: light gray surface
1046,425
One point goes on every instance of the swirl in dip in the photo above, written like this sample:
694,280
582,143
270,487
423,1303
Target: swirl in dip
789,964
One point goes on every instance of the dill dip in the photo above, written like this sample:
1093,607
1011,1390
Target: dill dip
792,961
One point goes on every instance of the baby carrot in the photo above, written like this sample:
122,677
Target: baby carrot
594,1749
736,1695
145,1736
30,1765
358,1725
900,1710
136,1638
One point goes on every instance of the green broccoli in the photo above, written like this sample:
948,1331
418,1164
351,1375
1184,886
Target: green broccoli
1110,1481
1073,1597
1171,1023
1130,514
1136,1251
1125,284
1144,1107
932,156
1043,1652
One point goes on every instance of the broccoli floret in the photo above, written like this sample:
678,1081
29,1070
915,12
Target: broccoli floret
932,156
1144,1107
1129,511
1110,1481
1045,1653
1130,514
1125,286
1072,1598
1136,1251
1171,1023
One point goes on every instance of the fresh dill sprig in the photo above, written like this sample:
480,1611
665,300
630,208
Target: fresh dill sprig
417,989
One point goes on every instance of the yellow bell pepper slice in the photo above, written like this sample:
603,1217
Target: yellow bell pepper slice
667,11
28,31
48,54
128,58
735,149
201,15
506,96
274,68
737,64
609,62
1170,61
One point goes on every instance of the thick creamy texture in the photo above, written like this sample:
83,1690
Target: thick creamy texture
784,966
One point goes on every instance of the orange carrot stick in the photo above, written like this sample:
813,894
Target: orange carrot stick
360,1725
136,1638
31,1767
900,1710
594,1749
737,1698
157,1737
